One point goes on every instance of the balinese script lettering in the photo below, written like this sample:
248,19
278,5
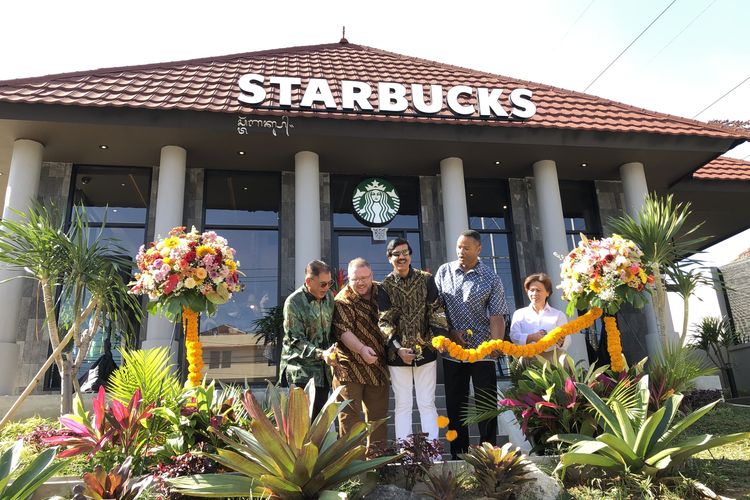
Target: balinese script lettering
244,124
392,97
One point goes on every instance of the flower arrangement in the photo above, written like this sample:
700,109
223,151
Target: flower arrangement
604,273
443,344
186,274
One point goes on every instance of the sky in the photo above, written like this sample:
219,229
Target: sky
681,55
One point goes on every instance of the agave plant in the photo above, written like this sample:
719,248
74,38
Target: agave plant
643,446
499,470
291,459
31,477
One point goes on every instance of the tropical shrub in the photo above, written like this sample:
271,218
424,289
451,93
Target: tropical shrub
149,371
545,400
639,445
202,410
291,459
674,370
30,478
499,470
110,434
417,455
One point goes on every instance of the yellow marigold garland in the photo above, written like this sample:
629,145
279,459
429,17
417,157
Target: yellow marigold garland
485,348
193,348
614,346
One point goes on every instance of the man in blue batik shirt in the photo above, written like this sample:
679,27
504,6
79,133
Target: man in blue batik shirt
475,306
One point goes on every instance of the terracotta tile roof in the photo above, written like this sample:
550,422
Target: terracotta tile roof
211,84
724,168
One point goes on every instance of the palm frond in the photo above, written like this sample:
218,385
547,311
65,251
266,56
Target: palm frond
483,406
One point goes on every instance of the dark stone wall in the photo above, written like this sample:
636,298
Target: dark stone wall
32,336
433,230
286,235
737,279
525,226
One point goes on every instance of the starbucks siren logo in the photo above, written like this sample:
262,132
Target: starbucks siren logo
375,201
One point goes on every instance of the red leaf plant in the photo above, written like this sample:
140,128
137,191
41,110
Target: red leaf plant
109,433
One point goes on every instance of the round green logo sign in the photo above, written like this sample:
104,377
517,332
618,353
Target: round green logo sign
375,202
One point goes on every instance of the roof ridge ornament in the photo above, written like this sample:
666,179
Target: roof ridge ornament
343,35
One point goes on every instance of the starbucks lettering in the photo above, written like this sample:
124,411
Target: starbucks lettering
392,97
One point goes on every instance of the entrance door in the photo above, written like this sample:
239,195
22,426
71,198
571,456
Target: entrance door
350,244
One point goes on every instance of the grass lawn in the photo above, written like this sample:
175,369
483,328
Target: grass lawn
725,469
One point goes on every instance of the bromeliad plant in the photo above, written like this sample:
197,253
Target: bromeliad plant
294,458
110,434
499,470
638,444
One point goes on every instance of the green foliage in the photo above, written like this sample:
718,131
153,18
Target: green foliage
713,335
638,445
545,400
674,371
270,327
27,479
295,459
500,471
200,410
149,370
660,232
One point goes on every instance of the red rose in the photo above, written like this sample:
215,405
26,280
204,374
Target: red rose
171,283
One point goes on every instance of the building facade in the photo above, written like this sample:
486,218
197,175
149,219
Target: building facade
279,151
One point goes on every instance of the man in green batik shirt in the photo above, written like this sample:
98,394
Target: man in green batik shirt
307,349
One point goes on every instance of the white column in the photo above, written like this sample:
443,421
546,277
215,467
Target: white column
455,213
553,240
306,212
635,188
23,184
170,197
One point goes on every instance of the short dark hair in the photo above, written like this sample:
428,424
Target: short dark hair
315,267
470,233
538,278
397,242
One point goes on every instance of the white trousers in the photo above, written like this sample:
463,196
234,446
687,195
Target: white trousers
403,379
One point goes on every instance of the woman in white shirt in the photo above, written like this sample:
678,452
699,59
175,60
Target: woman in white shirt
531,323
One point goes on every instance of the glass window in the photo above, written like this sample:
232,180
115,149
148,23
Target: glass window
243,207
580,211
115,200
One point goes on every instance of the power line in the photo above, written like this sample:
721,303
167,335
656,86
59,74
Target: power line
682,31
629,45
576,22
722,97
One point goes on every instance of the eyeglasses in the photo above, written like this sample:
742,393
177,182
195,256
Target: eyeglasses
363,279
402,253
326,284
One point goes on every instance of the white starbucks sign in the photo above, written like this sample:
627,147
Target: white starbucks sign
375,202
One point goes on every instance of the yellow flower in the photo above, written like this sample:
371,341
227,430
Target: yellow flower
167,260
203,250
231,265
443,421
451,435
200,273
171,242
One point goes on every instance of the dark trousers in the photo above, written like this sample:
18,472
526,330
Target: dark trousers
457,376
321,396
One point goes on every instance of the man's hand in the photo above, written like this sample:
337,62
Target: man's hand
368,354
458,336
329,356
407,355
535,337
